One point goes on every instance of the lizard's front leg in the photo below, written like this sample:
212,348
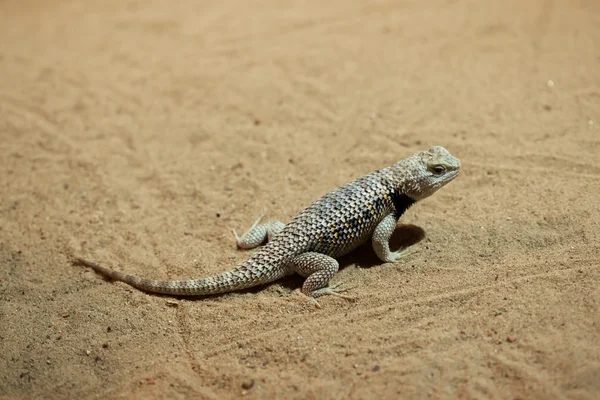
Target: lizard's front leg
257,233
318,269
381,240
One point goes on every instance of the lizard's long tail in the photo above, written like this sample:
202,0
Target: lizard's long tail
252,272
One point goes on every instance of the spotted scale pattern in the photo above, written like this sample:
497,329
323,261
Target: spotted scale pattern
346,217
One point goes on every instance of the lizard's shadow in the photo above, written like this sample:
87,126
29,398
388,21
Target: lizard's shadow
404,236
364,256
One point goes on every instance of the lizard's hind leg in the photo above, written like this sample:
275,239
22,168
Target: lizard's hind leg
257,233
318,269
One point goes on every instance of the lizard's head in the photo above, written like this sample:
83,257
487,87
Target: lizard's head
423,173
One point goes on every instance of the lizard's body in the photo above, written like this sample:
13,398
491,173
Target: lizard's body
334,225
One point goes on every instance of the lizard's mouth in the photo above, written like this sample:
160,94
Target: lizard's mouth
453,174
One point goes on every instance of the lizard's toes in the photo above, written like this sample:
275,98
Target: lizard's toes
398,255
336,290
311,299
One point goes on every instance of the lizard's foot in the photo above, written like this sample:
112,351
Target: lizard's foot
258,232
311,299
394,256
336,290
239,238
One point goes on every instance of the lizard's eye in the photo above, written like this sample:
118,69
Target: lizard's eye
438,169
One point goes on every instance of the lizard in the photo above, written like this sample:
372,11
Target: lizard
309,244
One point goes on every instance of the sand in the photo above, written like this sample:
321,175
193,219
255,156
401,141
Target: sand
139,134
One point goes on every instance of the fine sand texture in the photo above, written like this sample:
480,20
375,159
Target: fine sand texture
138,134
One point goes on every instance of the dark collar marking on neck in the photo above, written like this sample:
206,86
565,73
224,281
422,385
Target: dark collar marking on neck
402,202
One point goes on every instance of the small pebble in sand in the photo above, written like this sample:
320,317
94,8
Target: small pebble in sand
246,385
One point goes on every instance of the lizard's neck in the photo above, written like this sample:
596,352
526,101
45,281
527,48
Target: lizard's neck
402,201
400,179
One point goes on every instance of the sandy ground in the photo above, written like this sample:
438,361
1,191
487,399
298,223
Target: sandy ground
138,134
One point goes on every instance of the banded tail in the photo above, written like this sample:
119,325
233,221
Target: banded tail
262,267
